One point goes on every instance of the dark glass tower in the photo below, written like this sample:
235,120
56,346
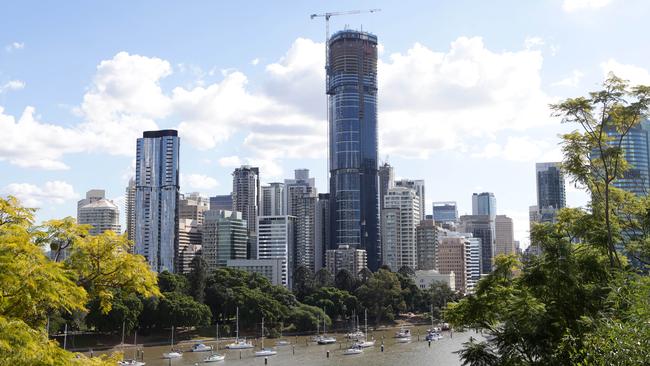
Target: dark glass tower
352,91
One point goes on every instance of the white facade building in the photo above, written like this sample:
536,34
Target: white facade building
400,218
275,240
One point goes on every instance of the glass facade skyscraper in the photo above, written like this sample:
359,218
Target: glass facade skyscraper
445,211
550,186
156,199
484,204
637,154
352,102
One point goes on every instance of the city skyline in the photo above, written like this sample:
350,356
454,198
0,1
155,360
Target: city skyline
79,107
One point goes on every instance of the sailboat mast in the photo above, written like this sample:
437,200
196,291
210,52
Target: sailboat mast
172,345
65,336
262,332
237,329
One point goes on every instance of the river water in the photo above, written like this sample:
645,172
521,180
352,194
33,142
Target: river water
302,352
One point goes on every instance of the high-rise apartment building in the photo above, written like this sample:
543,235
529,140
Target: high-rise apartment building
386,181
418,186
350,259
352,127
295,189
272,200
275,240
400,219
156,198
483,227
504,236
221,202
98,212
189,244
246,194
305,213
427,244
445,212
130,210
224,237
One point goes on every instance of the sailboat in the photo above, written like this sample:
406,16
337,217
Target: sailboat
325,339
215,357
265,351
364,342
356,333
172,354
133,361
433,334
239,343
282,342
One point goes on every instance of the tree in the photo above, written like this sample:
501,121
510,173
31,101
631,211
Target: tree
306,318
364,275
344,280
323,278
125,309
336,303
198,278
171,282
595,157
406,271
303,282
177,309
382,295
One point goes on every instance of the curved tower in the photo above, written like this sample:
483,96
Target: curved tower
352,91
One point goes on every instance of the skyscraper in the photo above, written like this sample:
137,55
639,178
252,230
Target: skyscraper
246,194
445,212
322,230
275,240
130,210
550,186
427,244
221,202
294,190
418,186
192,206
400,219
636,145
224,237
352,90
100,213
483,227
272,200
452,257
305,211
156,198
189,244
386,181
484,204
504,236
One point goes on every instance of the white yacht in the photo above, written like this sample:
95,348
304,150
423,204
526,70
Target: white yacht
200,347
403,333
325,339
215,357
364,342
353,351
130,363
173,353
265,351
239,343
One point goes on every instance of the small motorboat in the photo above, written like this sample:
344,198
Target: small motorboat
172,355
433,336
215,357
403,333
130,363
240,344
200,347
353,351
326,340
266,352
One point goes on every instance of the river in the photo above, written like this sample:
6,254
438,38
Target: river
302,353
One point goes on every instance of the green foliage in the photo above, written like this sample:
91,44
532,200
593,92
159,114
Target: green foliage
381,295
198,278
307,318
171,282
125,310
179,310
345,281
303,282
336,303
323,278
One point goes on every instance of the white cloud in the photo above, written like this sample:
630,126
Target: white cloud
442,100
12,85
635,74
574,5
230,161
570,81
14,46
521,148
255,61
533,42
30,195
197,182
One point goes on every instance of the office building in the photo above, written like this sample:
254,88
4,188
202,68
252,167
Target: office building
156,198
351,259
424,279
386,181
224,237
275,240
130,210
322,230
246,194
504,236
192,206
272,200
400,219
189,244
221,202
481,226
445,212
352,103
452,259
418,186
427,244
98,212
550,186
269,268
484,204
636,145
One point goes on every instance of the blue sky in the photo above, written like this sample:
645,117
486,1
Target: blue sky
464,88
